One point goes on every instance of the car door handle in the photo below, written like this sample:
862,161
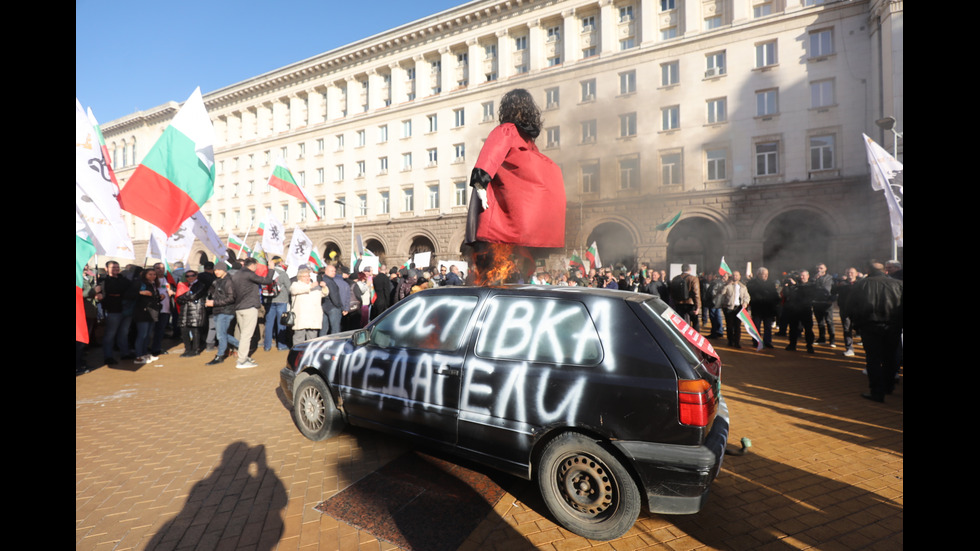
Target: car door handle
448,371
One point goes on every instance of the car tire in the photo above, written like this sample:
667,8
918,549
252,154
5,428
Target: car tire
314,411
586,488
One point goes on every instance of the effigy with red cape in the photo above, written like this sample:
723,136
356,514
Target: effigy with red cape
525,193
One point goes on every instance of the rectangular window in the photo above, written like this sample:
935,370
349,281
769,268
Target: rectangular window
433,121
340,173
668,33
341,203
382,165
554,61
670,169
717,160
408,196
627,43
627,82
459,117
767,102
588,90
434,197
765,54
627,125
285,213
383,133
589,131
554,34
762,10
301,178
385,203
361,138
407,128
406,161
822,93
717,110
488,112
715,65
459,195
554,136
433,155
361,169
821,152
712,22
339,142
766,158
588,23
319,145
590,177
666,5
320,176
459,151
490,51
520,43
629,173
821,43
551,98
362,205
589,52
670,73
625,14
671,117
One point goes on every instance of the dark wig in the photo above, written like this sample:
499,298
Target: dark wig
518,107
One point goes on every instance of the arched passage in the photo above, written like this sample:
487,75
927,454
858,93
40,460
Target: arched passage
615,243
795,240
696,241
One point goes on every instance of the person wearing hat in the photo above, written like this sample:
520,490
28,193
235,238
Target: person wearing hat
222,301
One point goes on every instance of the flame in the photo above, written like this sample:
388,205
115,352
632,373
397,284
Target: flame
499,263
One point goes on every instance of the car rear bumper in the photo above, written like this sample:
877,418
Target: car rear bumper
676,478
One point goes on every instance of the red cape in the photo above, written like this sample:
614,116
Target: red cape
526,196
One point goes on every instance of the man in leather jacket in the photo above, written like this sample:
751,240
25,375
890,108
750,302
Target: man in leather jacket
876,305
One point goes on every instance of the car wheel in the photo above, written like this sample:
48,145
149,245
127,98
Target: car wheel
586,488
315,413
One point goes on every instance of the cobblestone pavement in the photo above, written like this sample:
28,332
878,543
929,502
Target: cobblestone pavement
179,455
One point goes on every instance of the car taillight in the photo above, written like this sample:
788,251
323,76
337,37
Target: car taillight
696,402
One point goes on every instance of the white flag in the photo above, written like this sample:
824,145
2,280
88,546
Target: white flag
273,235
207,236
299,252
887,176
95,194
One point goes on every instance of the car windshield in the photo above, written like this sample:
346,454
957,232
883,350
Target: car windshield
655,309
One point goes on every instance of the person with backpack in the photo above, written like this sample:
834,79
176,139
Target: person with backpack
685,293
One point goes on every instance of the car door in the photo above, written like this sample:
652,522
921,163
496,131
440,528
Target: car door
406,377
530,367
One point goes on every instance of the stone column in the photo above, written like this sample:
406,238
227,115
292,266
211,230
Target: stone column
607,27
447,76
505,59
399,92
535,45
475,56
569,35
423,77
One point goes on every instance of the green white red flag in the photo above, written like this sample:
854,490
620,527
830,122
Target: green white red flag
237,245
315,260
176,177
592,255
750,328
84,249
723,268
576,262
282,179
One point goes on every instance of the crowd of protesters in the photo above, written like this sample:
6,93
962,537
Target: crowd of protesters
220,308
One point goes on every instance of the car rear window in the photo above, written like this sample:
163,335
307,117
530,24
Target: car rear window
655,308
539,330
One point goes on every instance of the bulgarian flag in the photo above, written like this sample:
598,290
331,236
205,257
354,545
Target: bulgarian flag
592,255
177,175
261,229
282,179
750,328
236,244
315,260
723,267
576,262
84,249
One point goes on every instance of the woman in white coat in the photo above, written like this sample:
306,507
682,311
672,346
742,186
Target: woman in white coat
306,296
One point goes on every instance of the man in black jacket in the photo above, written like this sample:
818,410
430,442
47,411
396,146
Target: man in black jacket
765,300
222,302
248,298
334,305
876,305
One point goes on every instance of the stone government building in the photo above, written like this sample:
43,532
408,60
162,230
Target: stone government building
744,115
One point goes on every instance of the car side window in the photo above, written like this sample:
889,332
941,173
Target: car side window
539,330
426,322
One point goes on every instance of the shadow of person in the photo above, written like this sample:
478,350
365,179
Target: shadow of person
239,505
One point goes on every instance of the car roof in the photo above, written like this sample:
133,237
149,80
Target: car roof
548,290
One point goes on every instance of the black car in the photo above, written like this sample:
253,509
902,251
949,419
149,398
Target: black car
596,394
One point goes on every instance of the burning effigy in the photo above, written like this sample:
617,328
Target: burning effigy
517,206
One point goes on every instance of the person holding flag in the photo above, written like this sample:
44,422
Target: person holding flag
734,299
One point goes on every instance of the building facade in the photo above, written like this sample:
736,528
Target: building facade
744,116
